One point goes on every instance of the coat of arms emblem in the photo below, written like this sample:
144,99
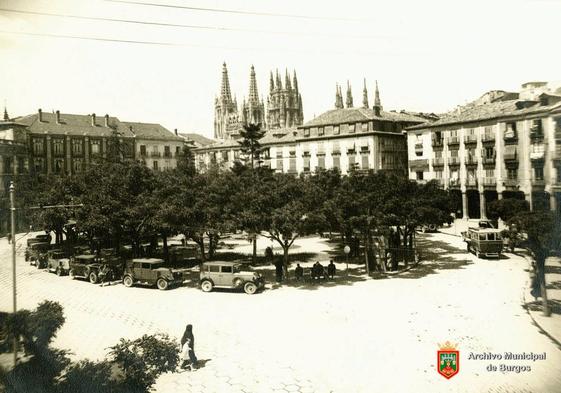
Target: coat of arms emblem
448,363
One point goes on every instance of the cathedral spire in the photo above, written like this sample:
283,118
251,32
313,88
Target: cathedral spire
271,82
278,81
287,80
253,95
364,96
6,117
225,94
377,102
349,101
294,80
338,97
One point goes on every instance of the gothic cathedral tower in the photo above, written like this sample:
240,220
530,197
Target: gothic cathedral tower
284,104
225,109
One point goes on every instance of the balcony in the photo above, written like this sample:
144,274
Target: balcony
557,134
453,140
470,139
471,160
454,183
453,161
438,161
155,154
490,182
167,154
437,142
511,156
556,155
536,136
471,182
488,160
511,184
488,138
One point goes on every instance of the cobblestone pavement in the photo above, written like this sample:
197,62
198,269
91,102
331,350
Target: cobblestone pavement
356,336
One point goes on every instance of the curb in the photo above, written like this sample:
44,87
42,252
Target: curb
525,307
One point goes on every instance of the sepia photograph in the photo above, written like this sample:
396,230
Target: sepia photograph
242,196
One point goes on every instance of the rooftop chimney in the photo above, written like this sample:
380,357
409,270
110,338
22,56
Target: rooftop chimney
93,119
175,131
106,120
57,117
40,114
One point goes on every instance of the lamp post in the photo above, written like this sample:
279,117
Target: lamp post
13,230
347,250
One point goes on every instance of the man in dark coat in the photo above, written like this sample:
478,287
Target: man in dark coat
331,269
279,269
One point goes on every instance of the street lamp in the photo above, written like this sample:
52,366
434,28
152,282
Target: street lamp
13,222
347,250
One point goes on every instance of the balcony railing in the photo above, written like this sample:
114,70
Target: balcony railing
439,161
510,182
470,139
437,142
511,156
489,160
488,138
167,154
489,181
471,160
155,154
453,140
453,161
454,183
471,182
557,134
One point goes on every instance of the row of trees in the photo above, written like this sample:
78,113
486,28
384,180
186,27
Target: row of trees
126,202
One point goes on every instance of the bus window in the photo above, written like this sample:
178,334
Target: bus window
482,236
490,236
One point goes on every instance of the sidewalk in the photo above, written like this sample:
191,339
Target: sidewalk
550,325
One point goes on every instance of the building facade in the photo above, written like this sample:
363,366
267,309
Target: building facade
58,143
345,138
284,106
504,144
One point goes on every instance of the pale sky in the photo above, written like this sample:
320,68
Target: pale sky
428,55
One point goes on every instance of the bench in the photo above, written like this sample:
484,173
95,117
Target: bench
307,275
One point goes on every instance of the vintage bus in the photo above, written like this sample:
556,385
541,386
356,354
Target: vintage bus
486,242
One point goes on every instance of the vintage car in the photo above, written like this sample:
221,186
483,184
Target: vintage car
92,267
150,271
41,238
229,275
486,242
36,254
58,262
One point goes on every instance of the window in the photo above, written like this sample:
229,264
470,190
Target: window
155,165
512,173
510,132
321,162
351,159
306,163
453,153
38,147
320,131
336,130
226,269
39,165
96,147
77,147
77,165
214,269
337,162
225,155
438,175
177,150
8,165
419,175
538,173
328,130
489,173
365,163
167,152
306,132
438,154
558,174
351,128
143,150
280,163
58,147
314,131
59,166
344,128
292,161
489,153
364,127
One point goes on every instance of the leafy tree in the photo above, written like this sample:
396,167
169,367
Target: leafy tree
86,376
506,208
144,359
543,230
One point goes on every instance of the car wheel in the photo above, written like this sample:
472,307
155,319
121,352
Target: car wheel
127,281
162,284
72,274
250,288
207,286
58,271
93,277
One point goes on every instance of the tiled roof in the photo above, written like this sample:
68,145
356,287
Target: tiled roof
354,115
493,110
197,138
71,124
281,135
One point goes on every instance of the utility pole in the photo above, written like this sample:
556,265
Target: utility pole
13,220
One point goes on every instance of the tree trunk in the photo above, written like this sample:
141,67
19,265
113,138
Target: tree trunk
254,256
540,263
285,248
366,251
201,243
211,245
166,251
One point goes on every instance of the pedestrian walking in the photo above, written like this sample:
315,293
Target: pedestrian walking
331,269
279,270
188,357
9,238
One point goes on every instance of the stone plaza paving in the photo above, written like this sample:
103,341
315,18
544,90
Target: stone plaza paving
351,335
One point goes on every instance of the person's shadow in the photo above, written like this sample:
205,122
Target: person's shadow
201,363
